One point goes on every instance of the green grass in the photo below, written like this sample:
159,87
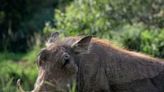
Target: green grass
14,66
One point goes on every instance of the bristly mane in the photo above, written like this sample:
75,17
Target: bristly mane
127,65
107,43
124,65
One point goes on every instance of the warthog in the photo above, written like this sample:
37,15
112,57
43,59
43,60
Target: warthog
96,66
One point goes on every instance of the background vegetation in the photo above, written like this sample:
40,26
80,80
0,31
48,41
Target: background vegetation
24,26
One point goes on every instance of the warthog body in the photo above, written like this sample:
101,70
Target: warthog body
96,66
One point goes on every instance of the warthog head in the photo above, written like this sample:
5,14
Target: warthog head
56,63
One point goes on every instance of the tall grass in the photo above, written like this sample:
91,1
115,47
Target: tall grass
14,66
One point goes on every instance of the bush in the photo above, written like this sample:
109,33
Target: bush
122,21
150,41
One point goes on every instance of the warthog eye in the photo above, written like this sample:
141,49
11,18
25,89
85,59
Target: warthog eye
66,59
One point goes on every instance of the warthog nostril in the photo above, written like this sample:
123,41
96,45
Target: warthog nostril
66,60
66,56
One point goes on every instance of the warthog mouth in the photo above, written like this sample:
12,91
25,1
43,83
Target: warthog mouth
22,90
37,88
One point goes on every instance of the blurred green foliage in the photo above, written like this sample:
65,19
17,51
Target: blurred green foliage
94,16
16,66
138,38
134,24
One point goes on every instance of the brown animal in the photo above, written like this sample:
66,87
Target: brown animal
96,66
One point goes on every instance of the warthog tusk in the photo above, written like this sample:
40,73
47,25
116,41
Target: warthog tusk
19,86
49,83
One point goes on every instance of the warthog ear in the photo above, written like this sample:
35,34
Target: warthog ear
82,45
54,36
